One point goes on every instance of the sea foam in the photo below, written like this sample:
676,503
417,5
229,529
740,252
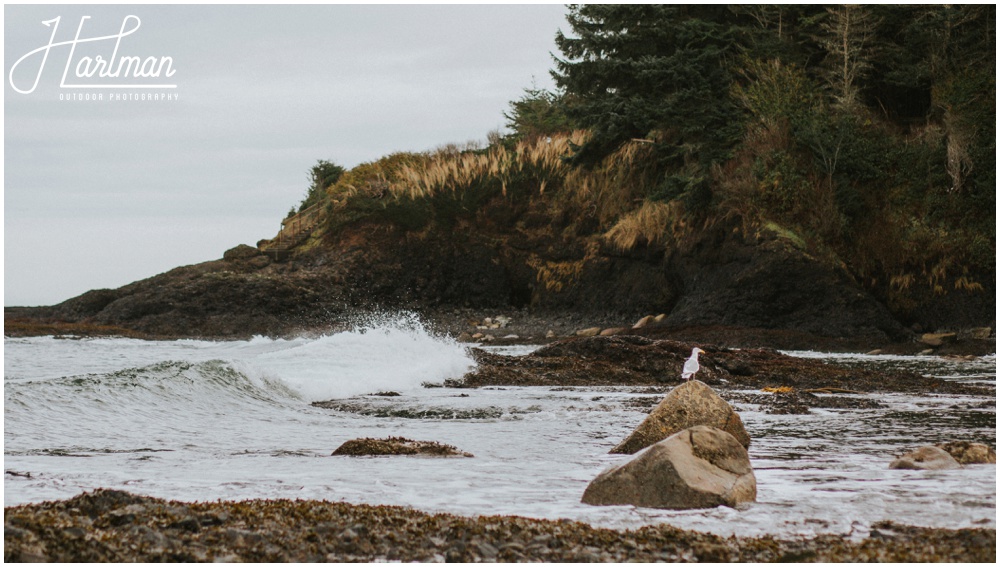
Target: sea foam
397,355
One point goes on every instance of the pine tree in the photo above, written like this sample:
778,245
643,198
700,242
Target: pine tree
641,69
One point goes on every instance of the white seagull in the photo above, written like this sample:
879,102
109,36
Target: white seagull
691,366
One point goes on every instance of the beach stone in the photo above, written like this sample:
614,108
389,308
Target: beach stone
612,331
699,467
692,403
589,332
643,322
937,339
968,453
981,333
926,458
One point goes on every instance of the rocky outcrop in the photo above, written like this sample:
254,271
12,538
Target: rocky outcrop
768,280
926,459
699,467
690,404
397,446
633,360
968,453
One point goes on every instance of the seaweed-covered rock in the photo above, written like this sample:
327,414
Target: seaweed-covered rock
398,446
968,453
926,459
699,467
692,403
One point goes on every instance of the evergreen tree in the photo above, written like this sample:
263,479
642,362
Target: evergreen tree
538,113
321,176
642,69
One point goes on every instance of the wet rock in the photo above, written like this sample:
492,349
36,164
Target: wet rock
588,332
690,404
926,459
699,467
398,446
612,331
967,453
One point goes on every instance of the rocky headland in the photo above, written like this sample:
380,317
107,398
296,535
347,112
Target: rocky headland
722,286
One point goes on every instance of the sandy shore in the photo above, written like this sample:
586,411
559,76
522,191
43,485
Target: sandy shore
114,526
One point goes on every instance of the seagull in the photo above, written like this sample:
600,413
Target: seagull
691,366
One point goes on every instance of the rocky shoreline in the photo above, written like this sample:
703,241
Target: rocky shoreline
522,327
115,526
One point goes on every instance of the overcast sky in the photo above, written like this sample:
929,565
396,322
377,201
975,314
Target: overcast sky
101,193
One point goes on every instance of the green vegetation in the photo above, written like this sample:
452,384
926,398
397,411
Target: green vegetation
864,134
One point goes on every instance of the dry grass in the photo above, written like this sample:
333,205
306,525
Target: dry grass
652,223
614,188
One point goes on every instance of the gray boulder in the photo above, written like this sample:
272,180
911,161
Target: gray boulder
926,459
699,467
692,403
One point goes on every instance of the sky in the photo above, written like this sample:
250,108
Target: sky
99,193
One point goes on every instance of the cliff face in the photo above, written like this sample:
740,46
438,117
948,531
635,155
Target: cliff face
720,277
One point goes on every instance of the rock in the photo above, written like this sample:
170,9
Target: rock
690,404
926,458
502,321
477,336
241,252
612,331
643,322
511,337
874,352
550,334
659,318
699,467
927,351
589,332
967,453
981,333
397,446
937,339
464,337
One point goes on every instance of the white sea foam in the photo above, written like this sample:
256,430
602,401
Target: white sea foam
396,357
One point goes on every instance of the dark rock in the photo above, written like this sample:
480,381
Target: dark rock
690,404
241,252
699,467
398,446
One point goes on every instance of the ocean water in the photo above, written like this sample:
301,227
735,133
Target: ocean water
206,420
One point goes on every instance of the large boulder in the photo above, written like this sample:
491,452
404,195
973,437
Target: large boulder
968,453
699,467
926,458
692,403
